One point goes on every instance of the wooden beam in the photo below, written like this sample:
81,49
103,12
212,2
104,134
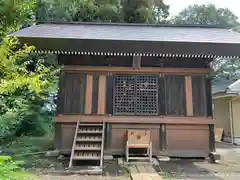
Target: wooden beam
88,98
189,98
143,70
135,119
102,94
136,62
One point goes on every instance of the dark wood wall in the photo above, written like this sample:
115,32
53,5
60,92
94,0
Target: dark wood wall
79,94
175,95
93,92
71,95
199,95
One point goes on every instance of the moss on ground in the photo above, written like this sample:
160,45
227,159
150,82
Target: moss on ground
30,149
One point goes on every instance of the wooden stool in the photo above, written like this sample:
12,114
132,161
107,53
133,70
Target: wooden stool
139,139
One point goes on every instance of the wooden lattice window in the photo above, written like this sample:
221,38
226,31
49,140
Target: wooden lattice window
135,95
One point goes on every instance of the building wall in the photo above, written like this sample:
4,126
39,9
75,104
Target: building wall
236,117
222,115
235,87
182,127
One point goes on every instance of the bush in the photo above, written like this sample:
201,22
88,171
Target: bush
23,117
25,86
11,170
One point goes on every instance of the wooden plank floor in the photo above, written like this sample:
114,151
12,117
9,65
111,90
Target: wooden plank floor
143,172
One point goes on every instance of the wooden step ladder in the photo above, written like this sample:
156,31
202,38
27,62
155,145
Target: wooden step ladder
88,143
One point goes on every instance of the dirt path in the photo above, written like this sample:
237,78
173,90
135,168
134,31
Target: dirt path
227,169
80,177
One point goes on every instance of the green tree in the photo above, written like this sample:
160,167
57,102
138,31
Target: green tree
206,15
42,10
137,11
25,80
210,15
228,69
23,90
79,10
97,10
145,11
160,11
15,14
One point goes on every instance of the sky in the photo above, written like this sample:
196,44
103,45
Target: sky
177,5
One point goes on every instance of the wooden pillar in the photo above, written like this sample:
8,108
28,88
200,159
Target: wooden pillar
108,136
109,98
212,138
88,97
58,136
189,98
60,96
208,85
163,137
102,94
95,93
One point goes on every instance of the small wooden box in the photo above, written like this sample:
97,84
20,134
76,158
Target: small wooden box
139,138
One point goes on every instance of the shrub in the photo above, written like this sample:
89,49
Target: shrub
25,84
11,170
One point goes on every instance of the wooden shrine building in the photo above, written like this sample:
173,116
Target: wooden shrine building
134,77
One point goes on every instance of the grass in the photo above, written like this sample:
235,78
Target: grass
30,149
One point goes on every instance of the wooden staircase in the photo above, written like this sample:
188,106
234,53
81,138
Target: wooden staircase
88,143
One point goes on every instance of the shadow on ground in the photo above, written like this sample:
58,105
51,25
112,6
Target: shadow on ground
190,169
187,169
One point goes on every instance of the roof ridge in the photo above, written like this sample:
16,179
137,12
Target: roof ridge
135,24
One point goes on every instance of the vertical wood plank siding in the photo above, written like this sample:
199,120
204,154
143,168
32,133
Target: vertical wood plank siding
72,92
161,96
61,87
89,90
177,95
109,103
175,103
189,95
102,95
95,93
199,95
209,97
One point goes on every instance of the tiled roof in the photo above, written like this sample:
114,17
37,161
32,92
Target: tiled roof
221,86
132,33
126,39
